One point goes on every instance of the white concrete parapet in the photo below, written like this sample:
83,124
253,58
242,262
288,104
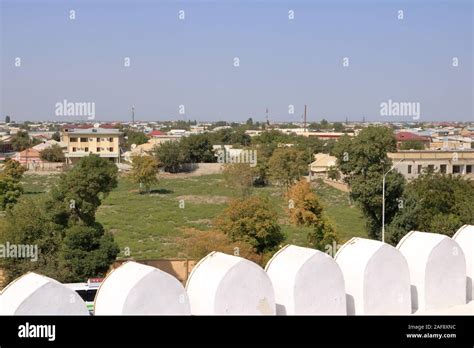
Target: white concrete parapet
137,289
306,281
465,238
376,277
225,284
437,270
35,294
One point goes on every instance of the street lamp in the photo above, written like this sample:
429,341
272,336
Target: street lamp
383,199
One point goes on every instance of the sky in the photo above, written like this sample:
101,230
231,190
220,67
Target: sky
186,69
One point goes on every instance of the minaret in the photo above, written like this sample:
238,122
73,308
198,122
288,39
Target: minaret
133,115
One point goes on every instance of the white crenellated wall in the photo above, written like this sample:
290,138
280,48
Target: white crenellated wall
306,281
226,284
35,294
437,270
376,277
427,272
136,289
465,238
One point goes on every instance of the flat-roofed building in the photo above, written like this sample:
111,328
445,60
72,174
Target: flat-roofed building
104,142
415,162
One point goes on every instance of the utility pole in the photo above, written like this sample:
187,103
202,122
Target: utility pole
266,117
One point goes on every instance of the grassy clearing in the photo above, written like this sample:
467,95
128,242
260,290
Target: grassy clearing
151,225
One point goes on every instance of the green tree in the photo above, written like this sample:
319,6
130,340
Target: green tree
363,160
333,173
251,220
171,156
412,145
80,190
86,251
338,127
53,153
134,137
21,141
13,169
10,186
197,148
239,176
436,203
56,136
144,170
287,165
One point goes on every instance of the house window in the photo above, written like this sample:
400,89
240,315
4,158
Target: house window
469,168
409,169
83,140
98,140
73,140
91,139
73,149
98,149
111,139
456,169
442,168
111,149
419,168
86,149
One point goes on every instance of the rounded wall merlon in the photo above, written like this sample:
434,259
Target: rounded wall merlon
376,277
35,294
137,289
306,282
437,270
226,284
465,238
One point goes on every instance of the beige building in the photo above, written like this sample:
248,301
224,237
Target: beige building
104,142
415,162
322,165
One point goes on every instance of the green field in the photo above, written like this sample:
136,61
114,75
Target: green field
151,225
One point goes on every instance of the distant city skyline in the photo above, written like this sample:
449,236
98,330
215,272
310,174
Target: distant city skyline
344,59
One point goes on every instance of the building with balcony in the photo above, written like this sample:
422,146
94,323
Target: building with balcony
81,142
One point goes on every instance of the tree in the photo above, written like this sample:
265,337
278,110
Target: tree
134,137
171,156
80,190
13,169
53,153
363,160
72,245
436,203
338,127
86,251
412,145
287,165
10,191
304,207
333,173
21,141
10,187
144,170
239,176
323,235
324,124
197,148
251,220
56,136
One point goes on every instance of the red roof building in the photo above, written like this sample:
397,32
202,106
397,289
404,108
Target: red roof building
402,137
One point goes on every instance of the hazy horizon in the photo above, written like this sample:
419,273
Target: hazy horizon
283,61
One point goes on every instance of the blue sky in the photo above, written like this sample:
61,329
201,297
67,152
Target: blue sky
282,62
